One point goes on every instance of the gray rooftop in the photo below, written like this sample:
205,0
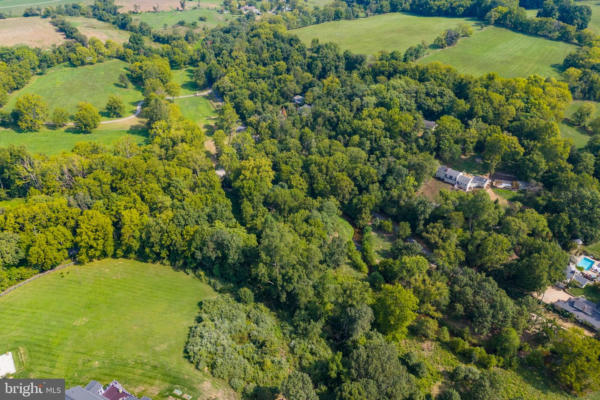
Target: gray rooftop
79,393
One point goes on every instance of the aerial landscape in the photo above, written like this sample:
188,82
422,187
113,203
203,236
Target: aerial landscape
300,199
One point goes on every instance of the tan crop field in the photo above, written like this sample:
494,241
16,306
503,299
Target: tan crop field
32,31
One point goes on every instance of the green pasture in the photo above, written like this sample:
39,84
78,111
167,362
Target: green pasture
16,7
167,19
65,86
395,31
111,319
508,53
51,142
578,135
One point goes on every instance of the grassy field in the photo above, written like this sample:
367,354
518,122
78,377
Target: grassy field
15,8
506,52
65,86
167,19
32,31
184,78
396,31
112,319
50,142
579,136
490,49
101,30
198,109
594,24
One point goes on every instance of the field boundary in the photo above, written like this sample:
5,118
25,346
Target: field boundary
33,278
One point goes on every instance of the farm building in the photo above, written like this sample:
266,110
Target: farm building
95,391
461,180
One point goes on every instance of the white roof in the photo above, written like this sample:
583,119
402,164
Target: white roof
7,364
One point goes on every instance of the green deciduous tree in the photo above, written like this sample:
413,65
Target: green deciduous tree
94,237
86,118
31,112
115,107
394,310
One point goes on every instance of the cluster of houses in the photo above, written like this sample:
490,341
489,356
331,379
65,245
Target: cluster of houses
461,180
95,391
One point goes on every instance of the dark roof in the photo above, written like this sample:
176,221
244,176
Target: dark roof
113,393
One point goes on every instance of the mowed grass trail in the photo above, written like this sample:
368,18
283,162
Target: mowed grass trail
506,52
111,319
65,86
395,31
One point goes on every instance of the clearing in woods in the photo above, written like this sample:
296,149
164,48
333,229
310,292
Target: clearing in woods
395,31
31,31
490,49
104,31
168,19
508,53
110,319
65,86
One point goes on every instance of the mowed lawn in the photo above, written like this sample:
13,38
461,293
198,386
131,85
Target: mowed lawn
104,31
111,319
65,86
198,109
51,141
394,31
503,51
167,19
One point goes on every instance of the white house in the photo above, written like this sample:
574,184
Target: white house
461,180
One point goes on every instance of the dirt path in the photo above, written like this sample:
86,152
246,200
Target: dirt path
138,108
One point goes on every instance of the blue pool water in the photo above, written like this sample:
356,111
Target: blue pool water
585,263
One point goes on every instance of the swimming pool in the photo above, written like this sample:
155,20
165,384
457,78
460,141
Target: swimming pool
586,263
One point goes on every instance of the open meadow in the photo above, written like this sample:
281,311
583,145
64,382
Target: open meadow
490,49
104,31
500,50
167,19
389,32
111,319
54,141
65,86
15,8
31,31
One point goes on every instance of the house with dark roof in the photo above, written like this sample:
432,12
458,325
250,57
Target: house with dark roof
95,391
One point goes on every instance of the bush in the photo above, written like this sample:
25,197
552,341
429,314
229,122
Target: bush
245,295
